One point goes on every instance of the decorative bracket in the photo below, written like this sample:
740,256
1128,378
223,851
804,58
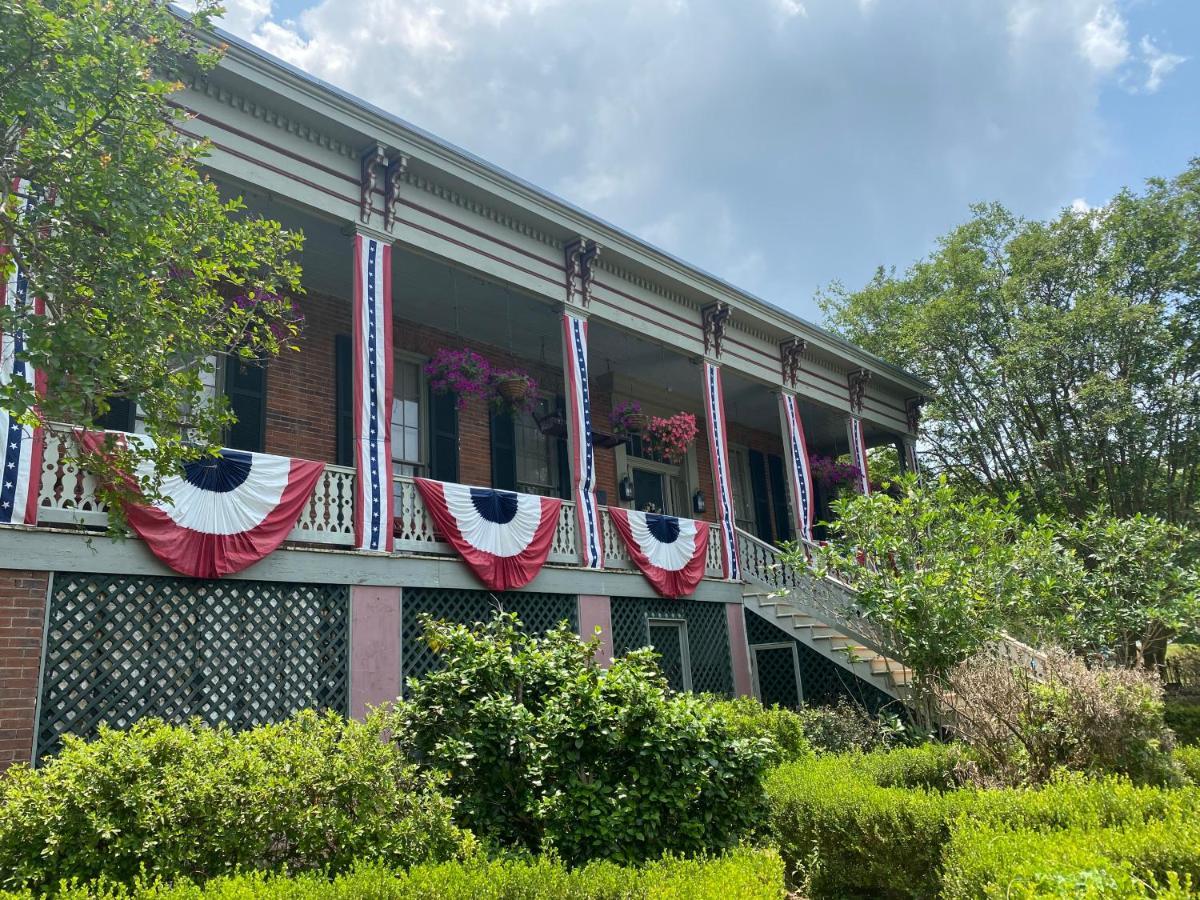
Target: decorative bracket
912,411
580,254
396,170
858,388
791,356
715,316
374,166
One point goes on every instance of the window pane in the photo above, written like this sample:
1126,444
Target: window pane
406,417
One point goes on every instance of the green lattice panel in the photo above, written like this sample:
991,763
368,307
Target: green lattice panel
667,640
119,648
822,680
538,614
777,677
707,633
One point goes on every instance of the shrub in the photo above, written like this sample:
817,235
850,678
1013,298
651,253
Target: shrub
1184,720
1188,761
316,791
546,750
1024,724
846,726
847,826
747,718
1149,859
743,874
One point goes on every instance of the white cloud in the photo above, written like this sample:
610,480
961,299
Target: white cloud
778,157
1102,39
1080,206
1159,64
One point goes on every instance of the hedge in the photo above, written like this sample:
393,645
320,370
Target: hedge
1184,720
743,874
849,835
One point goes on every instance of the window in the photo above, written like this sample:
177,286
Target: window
743,495
406,418
537,455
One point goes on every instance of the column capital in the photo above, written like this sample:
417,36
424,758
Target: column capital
563,307
374,233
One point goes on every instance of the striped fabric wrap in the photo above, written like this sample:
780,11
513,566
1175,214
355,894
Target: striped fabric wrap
579,433
23,444
714,405
372,394
798,465
858,453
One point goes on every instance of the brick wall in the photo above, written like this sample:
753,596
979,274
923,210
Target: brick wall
22,617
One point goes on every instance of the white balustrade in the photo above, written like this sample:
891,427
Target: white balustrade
713,567
615,554
415,530
563,548
328,517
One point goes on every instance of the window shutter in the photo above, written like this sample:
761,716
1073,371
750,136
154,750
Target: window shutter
121,415
562,451
762,500
779,500
343,374
246,390
504,452
443,437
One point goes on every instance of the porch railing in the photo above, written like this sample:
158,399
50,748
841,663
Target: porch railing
68,497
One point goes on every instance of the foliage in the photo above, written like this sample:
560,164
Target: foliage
546,750
622,416
463,373
944,574
1147,859
671,437
1187,759
743,874
1025,723
1141,587
136,255
879,824
747,718
526,403
1183,719
1064,355
846,726
833,474
314,792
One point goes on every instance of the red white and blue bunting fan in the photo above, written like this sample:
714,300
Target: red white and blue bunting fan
503,536
225,512
373,499
798,464
858,453
579,431
670,551
714,404
21,460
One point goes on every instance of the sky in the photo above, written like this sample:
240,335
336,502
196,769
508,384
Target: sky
779,144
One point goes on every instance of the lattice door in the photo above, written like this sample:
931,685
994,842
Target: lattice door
776,671
707,636
538,614
667,639
119,648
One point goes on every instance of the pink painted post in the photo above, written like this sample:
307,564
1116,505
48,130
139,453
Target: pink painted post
739,650
596,612
374,647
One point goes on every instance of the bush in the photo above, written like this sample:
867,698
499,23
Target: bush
742,875
1149,859
878,824
546,750
1024,724
846,726
316,791
1188,761
1184,720
747,718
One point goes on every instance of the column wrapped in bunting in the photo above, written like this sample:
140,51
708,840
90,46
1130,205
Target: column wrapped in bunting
718,451
23,444
579,436
858,453
372,393
800,482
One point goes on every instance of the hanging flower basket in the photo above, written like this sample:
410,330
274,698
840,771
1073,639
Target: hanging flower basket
514,390
671,437
628,418
463,373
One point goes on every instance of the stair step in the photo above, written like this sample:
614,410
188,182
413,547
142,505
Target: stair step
881,664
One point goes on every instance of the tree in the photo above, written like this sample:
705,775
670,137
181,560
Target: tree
149,276
939,575
1063,354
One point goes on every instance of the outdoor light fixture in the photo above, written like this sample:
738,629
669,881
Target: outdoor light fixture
698,502
626,488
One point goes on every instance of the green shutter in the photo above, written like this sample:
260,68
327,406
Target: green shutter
504,452
246,390
121,415
343,370
762,500
563,449
779,500
443,437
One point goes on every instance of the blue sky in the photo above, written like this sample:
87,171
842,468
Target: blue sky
780,144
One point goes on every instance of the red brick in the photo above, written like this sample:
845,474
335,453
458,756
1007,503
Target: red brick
23,598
